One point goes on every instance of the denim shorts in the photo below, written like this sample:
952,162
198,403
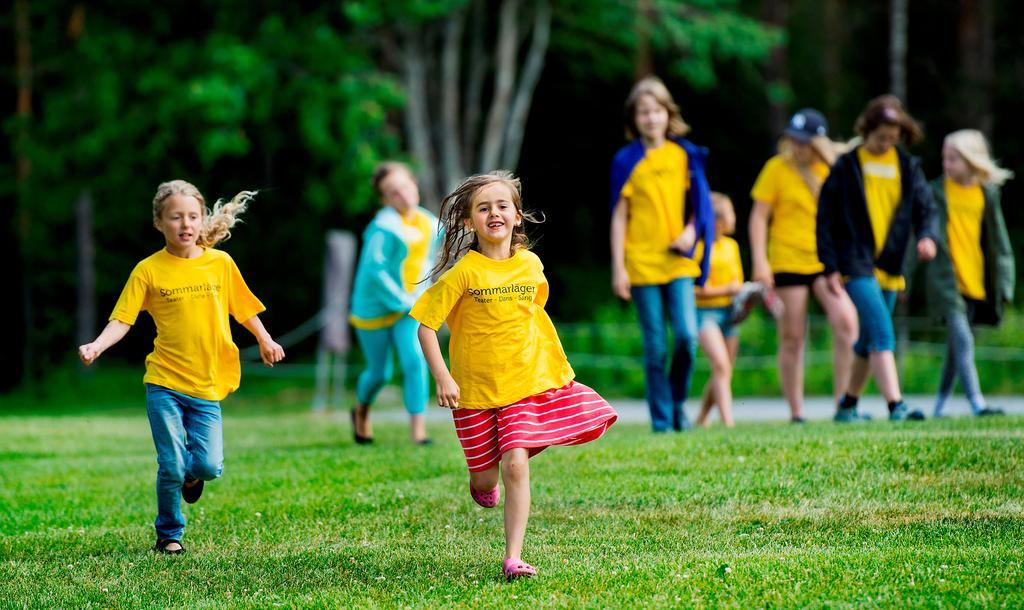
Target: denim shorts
717,316
874,308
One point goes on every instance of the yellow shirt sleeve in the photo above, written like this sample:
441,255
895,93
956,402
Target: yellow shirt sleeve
133,297
766,187
437,302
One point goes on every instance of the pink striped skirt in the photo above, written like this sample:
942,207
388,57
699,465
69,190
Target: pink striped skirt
570,415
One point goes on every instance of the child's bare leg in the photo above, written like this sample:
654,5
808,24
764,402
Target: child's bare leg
706,402
484,480
515,472
418,428
732,346
717,352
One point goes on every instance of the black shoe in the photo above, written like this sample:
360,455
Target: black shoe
986,411
161,547
425,442
191,493
359,438
797,419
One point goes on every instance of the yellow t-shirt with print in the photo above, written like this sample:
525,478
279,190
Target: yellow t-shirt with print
726,268
503,345
189,300
418,231
966,207
883,191
792,241
656,197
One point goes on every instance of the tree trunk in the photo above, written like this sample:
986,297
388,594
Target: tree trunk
18,359
832,57
417,116
776,13
504,82
451,60
898,48
976,32
643,65
527,84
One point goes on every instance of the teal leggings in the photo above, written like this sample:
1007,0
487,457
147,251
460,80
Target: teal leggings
377,345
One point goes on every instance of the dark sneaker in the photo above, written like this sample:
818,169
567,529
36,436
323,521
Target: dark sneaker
161,547
191,493
797,419
848,415
903,413
986,411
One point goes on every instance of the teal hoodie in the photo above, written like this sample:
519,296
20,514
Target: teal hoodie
378,289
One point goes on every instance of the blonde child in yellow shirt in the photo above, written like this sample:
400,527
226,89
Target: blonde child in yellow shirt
717,334
510,386
189,289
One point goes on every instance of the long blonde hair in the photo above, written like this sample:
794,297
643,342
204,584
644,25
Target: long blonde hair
653,86
825,149
457,208
217,224
973,147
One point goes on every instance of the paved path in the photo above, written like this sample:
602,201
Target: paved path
767,409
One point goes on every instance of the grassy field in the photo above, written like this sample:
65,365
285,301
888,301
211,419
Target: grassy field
872,515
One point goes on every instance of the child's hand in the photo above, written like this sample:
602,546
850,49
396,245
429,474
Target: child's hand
620,284
271,352
834,282
89,353
682,244
926,249
763,274
447,393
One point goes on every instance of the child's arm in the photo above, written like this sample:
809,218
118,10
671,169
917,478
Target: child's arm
758,229
620,278
270,351
447,389
114,332
728,290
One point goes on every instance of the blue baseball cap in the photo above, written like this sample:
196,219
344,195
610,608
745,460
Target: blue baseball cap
806,124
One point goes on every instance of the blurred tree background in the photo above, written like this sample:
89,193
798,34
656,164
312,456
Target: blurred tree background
301,99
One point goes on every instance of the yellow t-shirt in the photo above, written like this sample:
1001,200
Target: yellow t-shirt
504,347
189,300
655,195
418,230
883,191
726,268
966,206
792,241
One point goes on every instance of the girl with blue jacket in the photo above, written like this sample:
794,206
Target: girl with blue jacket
399,248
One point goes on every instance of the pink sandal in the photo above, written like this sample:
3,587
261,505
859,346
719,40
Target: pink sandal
487,499
515,567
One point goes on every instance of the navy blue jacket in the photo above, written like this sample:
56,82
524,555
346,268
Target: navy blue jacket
846,242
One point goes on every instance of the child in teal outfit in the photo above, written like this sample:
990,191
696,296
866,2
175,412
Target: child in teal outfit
399,248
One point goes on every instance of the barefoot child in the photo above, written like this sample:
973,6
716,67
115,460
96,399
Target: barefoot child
189,289
717,334
510,386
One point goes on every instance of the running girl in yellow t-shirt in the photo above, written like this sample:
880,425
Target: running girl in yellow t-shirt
972,276
510,386
189,289
784,253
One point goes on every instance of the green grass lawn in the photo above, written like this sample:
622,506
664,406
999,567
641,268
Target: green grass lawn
766,515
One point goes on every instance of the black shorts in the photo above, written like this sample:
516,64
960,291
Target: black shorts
785,280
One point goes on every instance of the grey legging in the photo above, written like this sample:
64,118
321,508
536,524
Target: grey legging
959,361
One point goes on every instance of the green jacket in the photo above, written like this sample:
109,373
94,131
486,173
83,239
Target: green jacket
943,295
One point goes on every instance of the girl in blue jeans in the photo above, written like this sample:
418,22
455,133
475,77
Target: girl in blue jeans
872,199
189,289
661,207
399,248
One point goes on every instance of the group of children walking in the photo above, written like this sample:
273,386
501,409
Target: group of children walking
836,228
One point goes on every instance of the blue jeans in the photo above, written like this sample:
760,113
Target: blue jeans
874,309
667,386
189,440
377,346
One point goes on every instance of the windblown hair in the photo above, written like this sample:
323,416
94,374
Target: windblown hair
457,208
217,224
888,110
973,147
824,148
385,169
653,86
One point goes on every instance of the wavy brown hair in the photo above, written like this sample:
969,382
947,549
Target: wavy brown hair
653,86
217,224
457,208
888,110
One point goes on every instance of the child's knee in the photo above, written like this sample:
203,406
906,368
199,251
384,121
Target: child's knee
515,465
207,471
173,472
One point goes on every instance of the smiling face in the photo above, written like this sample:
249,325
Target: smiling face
493,216
651,119
398,189
181,221
882,138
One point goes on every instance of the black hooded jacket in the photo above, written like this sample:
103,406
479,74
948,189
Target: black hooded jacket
846,242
